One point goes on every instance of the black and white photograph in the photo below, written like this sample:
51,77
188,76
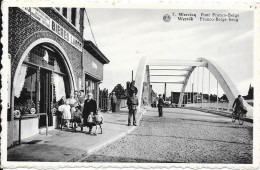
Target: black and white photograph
90,85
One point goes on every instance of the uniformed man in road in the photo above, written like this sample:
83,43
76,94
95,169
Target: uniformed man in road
160,105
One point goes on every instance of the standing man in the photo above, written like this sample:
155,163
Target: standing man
160,105
132,103
90,108
113,102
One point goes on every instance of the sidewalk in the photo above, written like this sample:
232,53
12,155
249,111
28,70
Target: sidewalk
65,145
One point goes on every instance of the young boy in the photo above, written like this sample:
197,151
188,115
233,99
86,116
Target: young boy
98,119
77,117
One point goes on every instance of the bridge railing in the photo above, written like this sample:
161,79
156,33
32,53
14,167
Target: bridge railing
214,105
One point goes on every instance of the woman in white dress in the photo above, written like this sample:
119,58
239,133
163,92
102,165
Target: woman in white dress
66,114
73,103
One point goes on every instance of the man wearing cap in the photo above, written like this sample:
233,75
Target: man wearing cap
132,103
90,108
113,102
160,105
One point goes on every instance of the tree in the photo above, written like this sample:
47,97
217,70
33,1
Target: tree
250,94
119,91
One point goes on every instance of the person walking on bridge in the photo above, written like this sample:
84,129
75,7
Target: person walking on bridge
160,105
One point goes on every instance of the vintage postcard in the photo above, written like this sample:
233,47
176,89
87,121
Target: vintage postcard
130,84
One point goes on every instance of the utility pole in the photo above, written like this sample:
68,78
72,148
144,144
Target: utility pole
132,75
192,94
165,92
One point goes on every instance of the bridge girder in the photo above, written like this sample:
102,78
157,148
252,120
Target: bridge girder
221,76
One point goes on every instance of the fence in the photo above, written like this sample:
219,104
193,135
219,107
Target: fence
105,104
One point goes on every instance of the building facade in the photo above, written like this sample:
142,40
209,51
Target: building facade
49,60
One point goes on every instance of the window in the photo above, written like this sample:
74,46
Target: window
45,57
91,87
73,16
25,90
64,12
45,64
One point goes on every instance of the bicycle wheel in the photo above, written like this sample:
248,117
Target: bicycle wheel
241,118
233,117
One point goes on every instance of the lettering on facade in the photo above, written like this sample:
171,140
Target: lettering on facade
49,23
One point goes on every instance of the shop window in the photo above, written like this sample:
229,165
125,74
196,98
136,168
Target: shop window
64,12
58,87
44,64
25,90
73,16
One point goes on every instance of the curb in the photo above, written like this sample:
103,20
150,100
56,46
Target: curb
225,114
103,145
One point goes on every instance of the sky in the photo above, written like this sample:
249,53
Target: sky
126,35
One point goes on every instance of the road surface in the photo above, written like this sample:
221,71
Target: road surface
182,136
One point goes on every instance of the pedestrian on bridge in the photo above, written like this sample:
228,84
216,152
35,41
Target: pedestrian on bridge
132,103
160,105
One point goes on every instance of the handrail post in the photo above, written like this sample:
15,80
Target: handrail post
20,131
47,124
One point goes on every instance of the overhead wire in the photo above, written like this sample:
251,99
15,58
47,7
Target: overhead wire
90,27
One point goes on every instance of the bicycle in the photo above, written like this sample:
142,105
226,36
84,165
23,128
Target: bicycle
240,116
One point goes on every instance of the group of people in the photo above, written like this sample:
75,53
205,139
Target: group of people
78,109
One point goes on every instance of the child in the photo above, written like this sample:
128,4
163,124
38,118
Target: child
98,119
77,117
65,110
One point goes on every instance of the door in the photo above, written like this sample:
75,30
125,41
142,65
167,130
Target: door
45,97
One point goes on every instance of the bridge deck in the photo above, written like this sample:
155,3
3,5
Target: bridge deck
182,136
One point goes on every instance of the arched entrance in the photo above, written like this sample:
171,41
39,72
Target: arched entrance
44,75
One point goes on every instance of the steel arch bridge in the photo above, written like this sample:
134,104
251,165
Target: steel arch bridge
142,79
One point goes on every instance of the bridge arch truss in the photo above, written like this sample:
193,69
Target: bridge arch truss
143,75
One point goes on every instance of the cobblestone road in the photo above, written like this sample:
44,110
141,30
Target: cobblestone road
182,136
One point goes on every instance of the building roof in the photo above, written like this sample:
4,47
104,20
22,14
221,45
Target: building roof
95,52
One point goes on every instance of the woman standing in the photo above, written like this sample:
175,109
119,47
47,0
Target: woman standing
90,108
72,103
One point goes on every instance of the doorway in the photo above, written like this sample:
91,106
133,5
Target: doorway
45,97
